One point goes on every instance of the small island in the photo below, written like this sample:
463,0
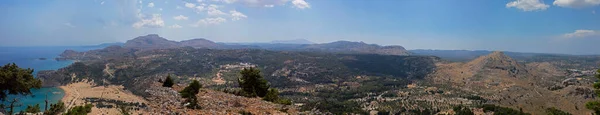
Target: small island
42,58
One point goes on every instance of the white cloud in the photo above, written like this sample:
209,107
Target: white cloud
269,6
102,3
528,5
235,15
582,33
69,25
190,5
178,7
180,17
151,4
576,3
199,1
155,21
210,21
175,26
160,9
301,4
200,8
212,10
263,3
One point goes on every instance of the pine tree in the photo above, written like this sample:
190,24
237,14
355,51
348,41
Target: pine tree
55,109
33,109
252,83
15,80
190,92
168,82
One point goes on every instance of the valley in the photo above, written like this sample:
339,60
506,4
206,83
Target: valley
343,82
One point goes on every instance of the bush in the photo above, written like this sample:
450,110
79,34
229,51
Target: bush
462,110
272,95
55,109
284,101
502,110
80,110
554,111
33,109
168,82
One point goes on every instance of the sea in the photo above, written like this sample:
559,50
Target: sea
38,59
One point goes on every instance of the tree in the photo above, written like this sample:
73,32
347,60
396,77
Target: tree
595,105
168,82
80,110
272,95
33,109
55,109
252,83
16,81
462,110
190,92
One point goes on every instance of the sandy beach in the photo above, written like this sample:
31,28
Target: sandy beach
75,93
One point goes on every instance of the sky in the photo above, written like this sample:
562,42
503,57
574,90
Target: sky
542,26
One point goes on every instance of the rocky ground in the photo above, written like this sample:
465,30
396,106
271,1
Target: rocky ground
168,101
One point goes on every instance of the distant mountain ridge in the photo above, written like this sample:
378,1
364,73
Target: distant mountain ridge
294,41
154,41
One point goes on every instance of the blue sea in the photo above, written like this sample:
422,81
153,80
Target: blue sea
29,57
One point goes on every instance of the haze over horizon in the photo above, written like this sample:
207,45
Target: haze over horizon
541,26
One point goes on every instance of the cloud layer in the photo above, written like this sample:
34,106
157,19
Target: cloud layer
528,5
576,3
582,34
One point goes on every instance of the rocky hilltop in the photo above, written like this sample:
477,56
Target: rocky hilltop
504,81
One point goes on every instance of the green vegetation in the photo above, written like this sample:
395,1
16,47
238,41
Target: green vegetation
124,110
190,92
33,109
252,83
334,106
55,109
16,81
554,111
273,96
462,110
595,105
80,110
168,82
502,110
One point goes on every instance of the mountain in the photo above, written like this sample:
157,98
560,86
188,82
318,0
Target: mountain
199,43
153,41
295,41
357,47
504,81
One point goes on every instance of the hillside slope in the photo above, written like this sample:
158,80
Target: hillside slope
504,81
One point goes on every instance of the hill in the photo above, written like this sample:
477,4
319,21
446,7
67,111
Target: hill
153,41
504,81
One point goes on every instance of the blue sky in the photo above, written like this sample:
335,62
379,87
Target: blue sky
548,26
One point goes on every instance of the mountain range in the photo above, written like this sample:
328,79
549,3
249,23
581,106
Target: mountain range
352,75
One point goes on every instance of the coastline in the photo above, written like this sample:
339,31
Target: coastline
75,94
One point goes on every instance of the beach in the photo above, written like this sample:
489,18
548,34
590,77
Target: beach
76,93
